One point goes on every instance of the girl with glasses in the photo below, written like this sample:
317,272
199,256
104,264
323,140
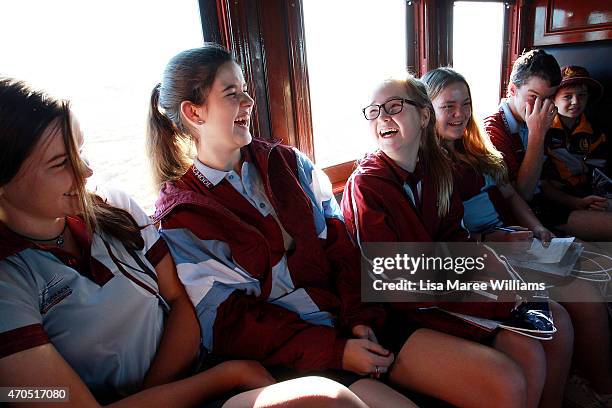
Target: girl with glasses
404,192
89,296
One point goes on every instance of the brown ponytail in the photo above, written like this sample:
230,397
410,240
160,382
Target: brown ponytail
168,148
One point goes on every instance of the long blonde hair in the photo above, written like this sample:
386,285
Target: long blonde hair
475,147
431,152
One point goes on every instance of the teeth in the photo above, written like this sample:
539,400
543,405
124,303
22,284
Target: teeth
384,132
243,118
71,194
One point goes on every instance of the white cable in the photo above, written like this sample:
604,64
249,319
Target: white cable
511,271
553,331
598,276
604,278
547,337
602,270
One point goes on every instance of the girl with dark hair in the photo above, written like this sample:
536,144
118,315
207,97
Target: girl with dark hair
256,234
404,192
489,201
89,296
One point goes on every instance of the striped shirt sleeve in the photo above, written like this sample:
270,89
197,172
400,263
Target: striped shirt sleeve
155,247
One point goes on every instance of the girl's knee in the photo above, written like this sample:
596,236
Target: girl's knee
304,392
508,388
327,393
521,347
563,339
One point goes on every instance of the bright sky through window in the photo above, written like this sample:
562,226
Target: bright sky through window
477,47
104,56
350,46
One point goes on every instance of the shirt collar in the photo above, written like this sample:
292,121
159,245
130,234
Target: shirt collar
513,124
556,123
214,176
583,126
12,243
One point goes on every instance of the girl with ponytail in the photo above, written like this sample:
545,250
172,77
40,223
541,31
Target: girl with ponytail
257,235
89,296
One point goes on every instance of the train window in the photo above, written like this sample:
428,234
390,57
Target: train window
349,45
477,50
105,57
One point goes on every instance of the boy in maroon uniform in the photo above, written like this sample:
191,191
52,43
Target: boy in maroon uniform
519,127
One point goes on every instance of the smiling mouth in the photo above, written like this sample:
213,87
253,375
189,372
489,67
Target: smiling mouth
70,194
455,124
385,133
242,121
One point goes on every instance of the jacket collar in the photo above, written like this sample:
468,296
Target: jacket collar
583,126
378,164
173,194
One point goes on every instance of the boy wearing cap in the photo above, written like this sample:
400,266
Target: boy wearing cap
519,127
575,148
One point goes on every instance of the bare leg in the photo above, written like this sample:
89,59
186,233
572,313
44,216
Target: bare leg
302,392
591,336
376,394
592,344
529,354
558,357
458,371
589,225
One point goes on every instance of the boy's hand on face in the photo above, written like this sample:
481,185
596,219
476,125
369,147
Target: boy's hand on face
539,118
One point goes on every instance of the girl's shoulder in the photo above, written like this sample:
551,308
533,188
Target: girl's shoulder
122,200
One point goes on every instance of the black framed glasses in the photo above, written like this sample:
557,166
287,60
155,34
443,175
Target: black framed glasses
392,107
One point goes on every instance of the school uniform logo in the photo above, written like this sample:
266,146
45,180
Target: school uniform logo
53,293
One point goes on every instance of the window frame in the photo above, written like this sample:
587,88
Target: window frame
267,38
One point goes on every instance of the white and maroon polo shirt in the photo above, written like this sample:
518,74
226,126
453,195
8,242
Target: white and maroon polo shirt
103,313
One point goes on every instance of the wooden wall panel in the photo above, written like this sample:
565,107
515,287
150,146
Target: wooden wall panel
433,26
267,39
569,21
